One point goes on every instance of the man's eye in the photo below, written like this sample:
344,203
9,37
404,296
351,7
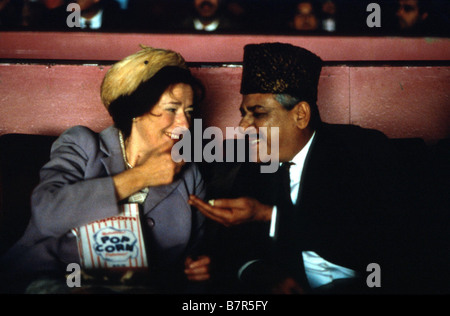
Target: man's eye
172,110
258,115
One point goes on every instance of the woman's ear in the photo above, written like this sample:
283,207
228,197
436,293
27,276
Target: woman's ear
302,114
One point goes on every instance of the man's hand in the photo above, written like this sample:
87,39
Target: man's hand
197,270
231,212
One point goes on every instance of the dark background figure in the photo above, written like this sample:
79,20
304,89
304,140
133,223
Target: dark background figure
329,14
21,14
420,17
95,15
412,15
305,17
151,15
10,14
332,17
207,16
55,15
102,15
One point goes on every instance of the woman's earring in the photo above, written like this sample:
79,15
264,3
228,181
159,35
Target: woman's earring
134,119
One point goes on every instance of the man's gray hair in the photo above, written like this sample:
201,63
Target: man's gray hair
287,100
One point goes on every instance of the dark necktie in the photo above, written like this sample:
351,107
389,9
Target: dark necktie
284,195
287,250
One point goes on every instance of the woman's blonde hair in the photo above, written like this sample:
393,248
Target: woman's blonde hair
125,76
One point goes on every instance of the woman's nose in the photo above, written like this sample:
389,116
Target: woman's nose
183,120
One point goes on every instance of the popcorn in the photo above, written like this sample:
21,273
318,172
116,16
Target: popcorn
114,242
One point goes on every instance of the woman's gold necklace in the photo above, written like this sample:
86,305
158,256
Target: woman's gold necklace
122,145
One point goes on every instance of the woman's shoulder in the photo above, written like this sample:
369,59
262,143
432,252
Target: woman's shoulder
78,131
77,136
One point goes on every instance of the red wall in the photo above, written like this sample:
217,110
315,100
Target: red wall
406,99
214,48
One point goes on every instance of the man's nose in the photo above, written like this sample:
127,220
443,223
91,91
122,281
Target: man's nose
245,122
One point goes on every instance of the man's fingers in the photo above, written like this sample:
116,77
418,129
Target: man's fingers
229,203
220,215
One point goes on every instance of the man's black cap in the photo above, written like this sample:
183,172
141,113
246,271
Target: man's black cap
280,68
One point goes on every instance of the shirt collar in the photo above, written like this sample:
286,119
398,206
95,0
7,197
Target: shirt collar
210,27
96,21
299,158
298,161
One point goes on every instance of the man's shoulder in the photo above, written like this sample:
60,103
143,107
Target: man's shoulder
352,131
355,143
351,136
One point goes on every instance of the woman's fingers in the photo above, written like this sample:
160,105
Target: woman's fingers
197,270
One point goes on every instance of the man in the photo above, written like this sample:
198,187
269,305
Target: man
208,16
95,15
104,15
305,18
347,204
412,16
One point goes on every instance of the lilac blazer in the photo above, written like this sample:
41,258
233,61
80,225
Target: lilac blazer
76,188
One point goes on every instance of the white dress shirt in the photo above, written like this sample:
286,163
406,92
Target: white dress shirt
318,270
95,22
199,26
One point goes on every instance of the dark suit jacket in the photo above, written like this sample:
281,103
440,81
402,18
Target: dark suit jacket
356,206
113,19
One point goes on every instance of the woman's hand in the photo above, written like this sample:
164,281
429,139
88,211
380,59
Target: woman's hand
197,270
155,169
160,169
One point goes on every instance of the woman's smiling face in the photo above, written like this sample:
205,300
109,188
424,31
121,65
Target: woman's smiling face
155,129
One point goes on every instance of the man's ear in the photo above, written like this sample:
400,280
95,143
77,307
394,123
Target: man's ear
302,114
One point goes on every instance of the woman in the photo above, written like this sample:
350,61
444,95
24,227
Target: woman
149,95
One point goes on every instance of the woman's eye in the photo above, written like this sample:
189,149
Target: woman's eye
258,115
171,110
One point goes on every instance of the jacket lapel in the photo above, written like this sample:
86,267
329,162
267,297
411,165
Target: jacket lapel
110,146
158,194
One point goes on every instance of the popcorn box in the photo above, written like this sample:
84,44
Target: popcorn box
113,243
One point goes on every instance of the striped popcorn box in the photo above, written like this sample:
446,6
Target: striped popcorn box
113,243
